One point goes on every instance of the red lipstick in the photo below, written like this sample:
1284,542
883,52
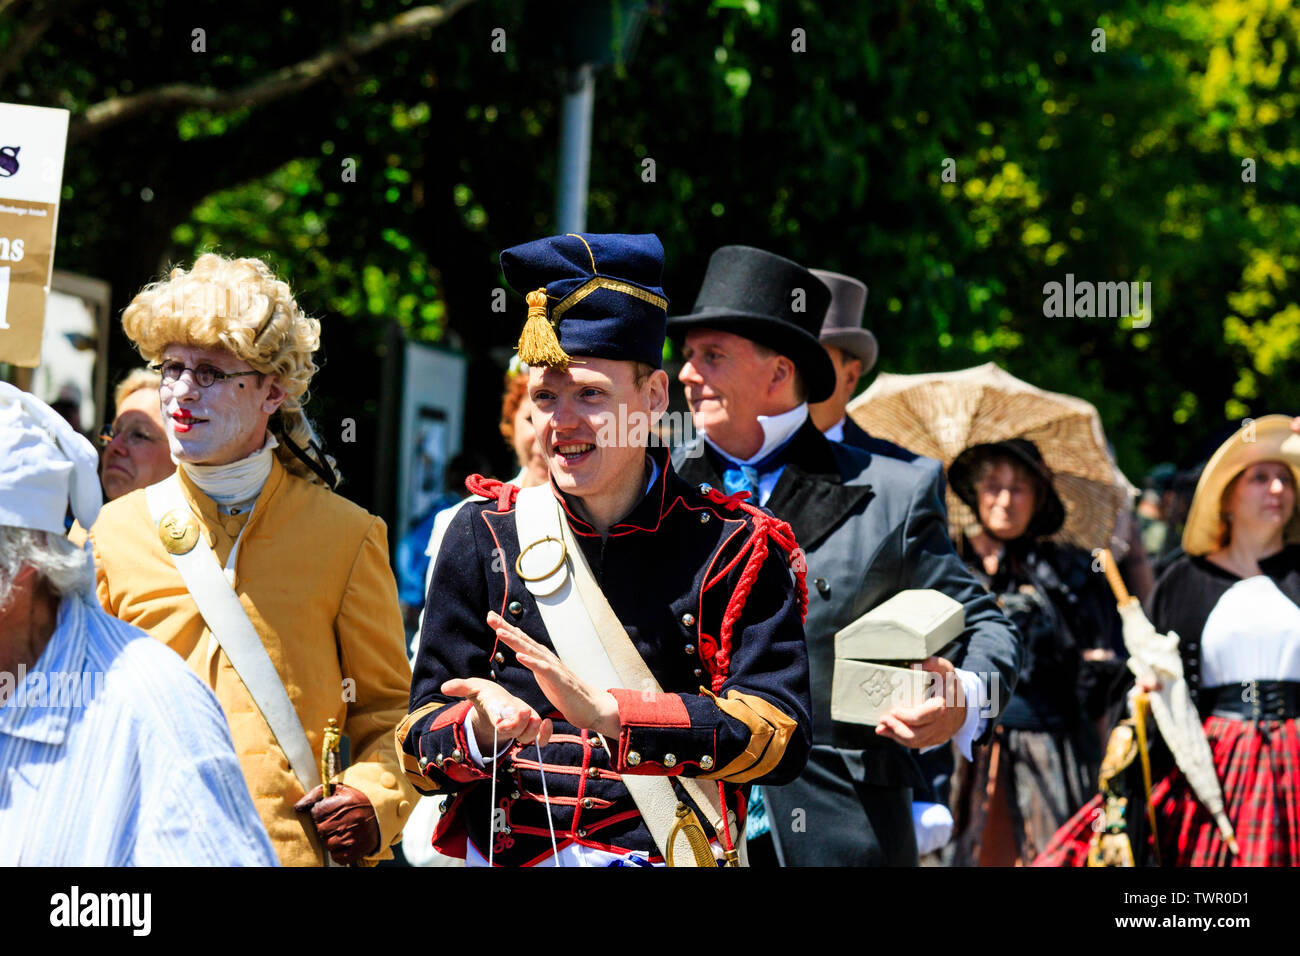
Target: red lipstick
183,421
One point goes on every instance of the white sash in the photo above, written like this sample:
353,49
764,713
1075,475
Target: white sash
234,633
590,639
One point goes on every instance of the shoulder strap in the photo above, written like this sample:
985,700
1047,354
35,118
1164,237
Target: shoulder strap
590,639
234,632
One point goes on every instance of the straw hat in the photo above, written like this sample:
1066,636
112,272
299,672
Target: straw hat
1265,439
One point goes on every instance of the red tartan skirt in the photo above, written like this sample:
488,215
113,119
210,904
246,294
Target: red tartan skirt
1259,766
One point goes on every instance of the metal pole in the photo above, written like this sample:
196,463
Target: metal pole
388,453
575,150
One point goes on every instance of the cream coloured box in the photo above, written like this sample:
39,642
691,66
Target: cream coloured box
862,691
910,626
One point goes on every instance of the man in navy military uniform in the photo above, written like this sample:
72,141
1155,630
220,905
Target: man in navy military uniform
535,756
870,526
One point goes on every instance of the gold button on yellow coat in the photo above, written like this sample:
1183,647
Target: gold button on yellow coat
314,577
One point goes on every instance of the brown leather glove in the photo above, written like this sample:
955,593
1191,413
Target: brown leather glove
345,820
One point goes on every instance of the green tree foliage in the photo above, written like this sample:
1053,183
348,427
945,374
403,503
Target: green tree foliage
819,130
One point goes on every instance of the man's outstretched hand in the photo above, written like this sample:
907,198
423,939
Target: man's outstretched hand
513,719
582,705
494,707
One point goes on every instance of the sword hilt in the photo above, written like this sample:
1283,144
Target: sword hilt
329,755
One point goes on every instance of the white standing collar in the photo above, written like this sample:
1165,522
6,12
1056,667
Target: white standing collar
776,430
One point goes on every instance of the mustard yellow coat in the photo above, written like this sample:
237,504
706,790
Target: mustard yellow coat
313,575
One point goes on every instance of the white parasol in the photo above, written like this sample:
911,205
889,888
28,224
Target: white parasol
1153,659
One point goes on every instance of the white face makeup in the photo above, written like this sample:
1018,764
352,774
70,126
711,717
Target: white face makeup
222,423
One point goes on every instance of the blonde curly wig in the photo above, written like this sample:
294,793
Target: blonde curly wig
240,306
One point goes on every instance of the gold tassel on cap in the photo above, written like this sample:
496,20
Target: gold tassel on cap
538,344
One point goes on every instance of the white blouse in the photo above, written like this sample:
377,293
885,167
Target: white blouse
1253,633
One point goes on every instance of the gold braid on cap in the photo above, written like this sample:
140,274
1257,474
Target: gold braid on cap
538,344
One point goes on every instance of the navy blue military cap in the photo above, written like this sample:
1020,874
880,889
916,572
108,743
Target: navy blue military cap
598,295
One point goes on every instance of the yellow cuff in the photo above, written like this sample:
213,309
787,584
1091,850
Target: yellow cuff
770,730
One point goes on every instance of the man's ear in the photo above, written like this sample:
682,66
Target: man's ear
782,375
275,395
851,372
657,392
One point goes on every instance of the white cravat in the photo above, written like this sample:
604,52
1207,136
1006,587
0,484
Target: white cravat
234,483
776,430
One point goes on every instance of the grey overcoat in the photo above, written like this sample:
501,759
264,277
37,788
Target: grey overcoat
870,526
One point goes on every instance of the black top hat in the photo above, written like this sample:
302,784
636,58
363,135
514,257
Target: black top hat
1050,514
842,327
769,300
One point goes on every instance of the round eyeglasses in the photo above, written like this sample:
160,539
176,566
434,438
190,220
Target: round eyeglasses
205,376
134,436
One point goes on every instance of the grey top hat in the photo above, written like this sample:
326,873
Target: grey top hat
842,326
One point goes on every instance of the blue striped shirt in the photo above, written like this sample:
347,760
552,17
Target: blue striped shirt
113,753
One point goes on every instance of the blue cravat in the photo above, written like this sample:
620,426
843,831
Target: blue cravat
737,477
741,478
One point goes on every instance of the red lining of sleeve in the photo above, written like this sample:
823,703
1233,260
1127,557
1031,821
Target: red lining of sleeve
449,715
